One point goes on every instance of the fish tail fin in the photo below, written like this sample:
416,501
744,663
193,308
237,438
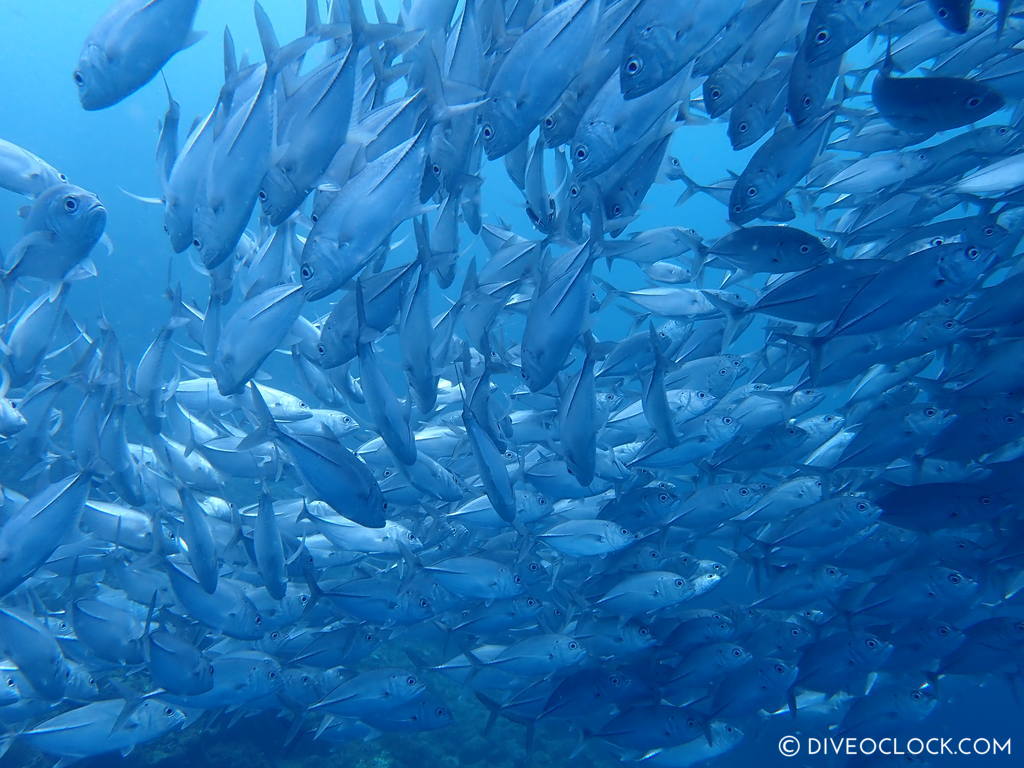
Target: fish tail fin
316,592
813,345
418,660
692,187
6,740
266,427
493,709
296,725
443,92
365,33
278,56
268,37
734,316
313,21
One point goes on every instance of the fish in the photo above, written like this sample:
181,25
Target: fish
61,228
24,173
932,104
129,45
542,56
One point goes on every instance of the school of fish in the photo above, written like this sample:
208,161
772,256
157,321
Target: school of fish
393,443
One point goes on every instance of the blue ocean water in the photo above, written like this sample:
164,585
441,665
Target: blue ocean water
111,151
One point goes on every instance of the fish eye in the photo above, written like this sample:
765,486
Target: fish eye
678,582
197,244
387,473
930,412
259,621
644,631
549,122
516,579
169,711
314,218
624,532
780,669
617,211
988,231
973,101
806,101
862,507
871,643
574,191
70,204
702,395
440,711
78,78
368,637
949,325
424,603
831,571
742,127
715,93
986,500
744,491
795,632
727,420
737,652
347,420
954,578
751,191
488,133
822,36
1009,418
410,681
542,501
321,349
263,196
435,169
573,645
306,272
973,253
272,675
1002,131
662,497
581,153
633,65
531,602
943,630
805,248
534,567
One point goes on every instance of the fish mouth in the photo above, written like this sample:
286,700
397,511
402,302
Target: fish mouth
314,293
